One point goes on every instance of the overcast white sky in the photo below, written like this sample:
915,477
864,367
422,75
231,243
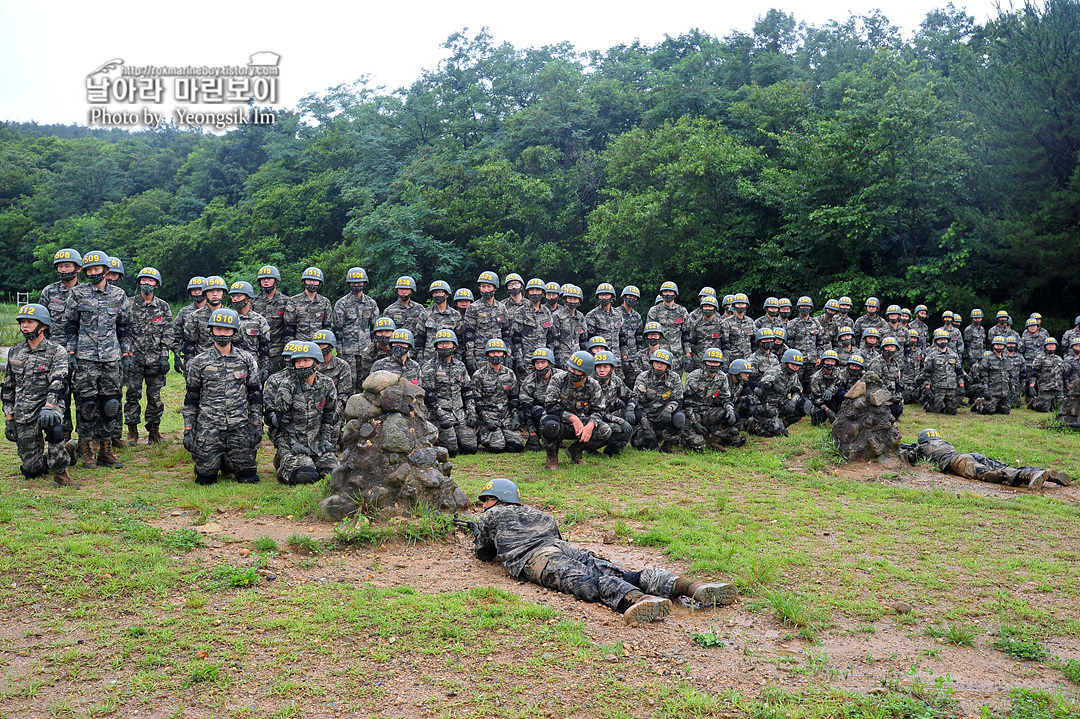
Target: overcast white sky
48,48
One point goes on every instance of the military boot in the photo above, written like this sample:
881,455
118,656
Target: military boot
646,608
153,436
118,442
72,448
708,593
133,434
671,447
87,454
105,457
62,479
552,457
577,453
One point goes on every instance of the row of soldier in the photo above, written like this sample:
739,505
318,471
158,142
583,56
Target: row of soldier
533,317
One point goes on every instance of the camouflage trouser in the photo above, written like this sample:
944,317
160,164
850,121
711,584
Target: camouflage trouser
133,382
65,399
1046,401
572,570
354,362
234,445
942,401
717,433
457,438
288,463
649,433
500,439
30,444
767,423
600,435
986,469
97,385
991,405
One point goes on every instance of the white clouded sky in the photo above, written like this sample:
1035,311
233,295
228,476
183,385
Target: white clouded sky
48,48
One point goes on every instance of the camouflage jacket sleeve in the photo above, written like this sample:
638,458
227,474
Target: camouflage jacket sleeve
7,393
329,415
193,378
123,327
69,334
254,392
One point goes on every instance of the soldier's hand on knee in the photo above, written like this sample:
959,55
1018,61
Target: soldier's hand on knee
298,448
9,430
585,434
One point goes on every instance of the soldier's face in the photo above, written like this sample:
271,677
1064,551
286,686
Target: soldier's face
894,318
829,366
712,367
535,296
487,289
573,303
551,297
740,308
922,315
27,325
463,304
312,287
668,296
845,308
440,297
404,293
95,277
602,370
325,348
214,295
357,288
576,377
976,320
708,310
513,287
871,310
383,337
196,294
606,298
541,365
652,338
66,267
785,311
659,366
1051,349
1001,348
238,300
303,363
744,376
267,283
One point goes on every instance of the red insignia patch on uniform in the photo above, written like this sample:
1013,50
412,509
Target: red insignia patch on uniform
281,313
507,387
679,321
253,331
715,335
157,320
320,405
415,381
547,324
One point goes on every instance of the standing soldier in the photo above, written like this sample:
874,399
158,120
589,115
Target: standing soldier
223,406
254,329
337,371
530,327
870,319
195,292
448,395
704,329
1018,367
307,311
889,367
98,341
195,332
913,357
845,344
996,374
630,339
574,407
439,316
405,312
823,385
152,337
658,397
804,334
495,393
943,376
353,319
738,330
399,362
377,350
114,275
1046,382
672,317
785,309
270,389
1032,341
951,321
975,338
271,305
893,326
462,299
568,325
67,263
919,323
843,315
829,328
710,414
532,393
763,358
484,320
552,293
32,395
306,407
604,319
771,318
1071,334
515,286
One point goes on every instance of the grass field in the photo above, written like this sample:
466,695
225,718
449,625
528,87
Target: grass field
112,605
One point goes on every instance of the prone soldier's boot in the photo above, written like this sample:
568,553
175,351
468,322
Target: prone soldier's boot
552,457
707,593
87,454
105,457
645,607
63,479
576,450
133,434
153,436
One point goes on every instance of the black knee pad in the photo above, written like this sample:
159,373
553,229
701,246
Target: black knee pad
249,478
110,406
495,450
306,475
678,419
55,433
551,428
33,473
515,447
88,408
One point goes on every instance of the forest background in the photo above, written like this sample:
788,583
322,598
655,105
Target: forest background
788,160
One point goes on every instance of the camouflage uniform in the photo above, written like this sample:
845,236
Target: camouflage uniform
956,340
805,335
367,359
770,321
975,343
1018,374
867,321
530,328
531,397
737,337
783,403
406,318
971,465
890,371
270,391
616,398
98,331
562,400
152,338
527,542
995,373
448,395
829,330
630,341
353,319
338,371
653,393
823,389
272,309
676,337
909,376
707,398
32,379
1066,338
495,393
511,305
704,332
303,316
223,406
409,370
763,361
307,416
942,374
607,324
1031,345
1047,383
54,298
483,322
569,334
924,332
252,336
187,352
431,320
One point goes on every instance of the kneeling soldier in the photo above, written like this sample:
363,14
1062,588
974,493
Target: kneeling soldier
575,407
306,407
448,395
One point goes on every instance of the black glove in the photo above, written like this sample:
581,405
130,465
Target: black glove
699,428
626,428
163,365
491,425
617,405
125,363
446,420
48,417
665,416
515,422
189,440
519,365
688,364
73,364
178,364
630,415
471,421
807,407
827,395
325,445
9,430
263,374
256,433
466,524
271,418
298,448
730,418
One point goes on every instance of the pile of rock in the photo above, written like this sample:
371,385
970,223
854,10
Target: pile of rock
389,464
864,428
